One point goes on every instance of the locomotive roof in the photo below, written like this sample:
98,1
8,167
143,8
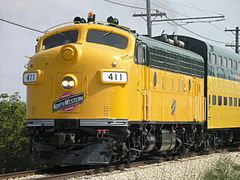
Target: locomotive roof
169,47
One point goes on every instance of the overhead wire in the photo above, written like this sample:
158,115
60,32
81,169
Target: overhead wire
9,77
130,6
175,12
22,26
203,10
221,30
125,5
221,42
194,7
185,21
4,76
232,44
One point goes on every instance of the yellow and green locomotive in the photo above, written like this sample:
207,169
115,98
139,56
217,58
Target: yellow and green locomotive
99,93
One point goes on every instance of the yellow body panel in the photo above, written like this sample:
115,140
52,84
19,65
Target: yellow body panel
154,103
223,116
175,97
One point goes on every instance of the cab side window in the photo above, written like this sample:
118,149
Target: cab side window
140,54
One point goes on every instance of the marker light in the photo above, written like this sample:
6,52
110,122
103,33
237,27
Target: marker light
112,20
91,17
68,82
78,20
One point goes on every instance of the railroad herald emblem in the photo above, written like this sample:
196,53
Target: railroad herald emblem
173,107
67,102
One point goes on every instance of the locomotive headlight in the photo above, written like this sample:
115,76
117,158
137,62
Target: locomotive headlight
64,83
69,82
69,53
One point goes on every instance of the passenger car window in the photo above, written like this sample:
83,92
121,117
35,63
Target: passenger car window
235,102
230,101
209,58
213,100
219,100
214,59
225,101
234,65
107,38
225,62
60,39
220,63
230,63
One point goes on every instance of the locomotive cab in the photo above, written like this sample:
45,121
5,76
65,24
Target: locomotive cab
77,92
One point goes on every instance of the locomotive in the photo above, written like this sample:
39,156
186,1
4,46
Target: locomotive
99,93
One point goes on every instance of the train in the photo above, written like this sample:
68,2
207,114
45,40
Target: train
100,93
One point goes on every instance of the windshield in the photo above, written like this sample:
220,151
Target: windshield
107,38
60,39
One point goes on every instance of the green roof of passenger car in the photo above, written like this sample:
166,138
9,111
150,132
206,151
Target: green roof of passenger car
223,52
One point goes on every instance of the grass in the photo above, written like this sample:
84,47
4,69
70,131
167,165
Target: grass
223,169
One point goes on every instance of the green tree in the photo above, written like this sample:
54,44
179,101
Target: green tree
14,144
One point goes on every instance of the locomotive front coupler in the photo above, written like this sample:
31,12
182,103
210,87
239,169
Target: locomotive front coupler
65,131
64,138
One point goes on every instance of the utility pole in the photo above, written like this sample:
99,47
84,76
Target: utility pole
149,21
148,15
236,39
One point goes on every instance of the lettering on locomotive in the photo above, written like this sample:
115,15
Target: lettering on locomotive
68,101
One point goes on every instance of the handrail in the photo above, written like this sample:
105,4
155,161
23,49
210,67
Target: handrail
93,22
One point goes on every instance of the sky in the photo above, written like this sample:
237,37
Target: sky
17,42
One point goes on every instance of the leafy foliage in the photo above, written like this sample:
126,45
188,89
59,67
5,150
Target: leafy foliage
14,144
224,169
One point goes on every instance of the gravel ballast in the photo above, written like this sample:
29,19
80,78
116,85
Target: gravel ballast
183,169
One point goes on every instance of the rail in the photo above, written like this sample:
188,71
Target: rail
85,171
18,174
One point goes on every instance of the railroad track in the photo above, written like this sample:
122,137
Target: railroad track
18,174
79,172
